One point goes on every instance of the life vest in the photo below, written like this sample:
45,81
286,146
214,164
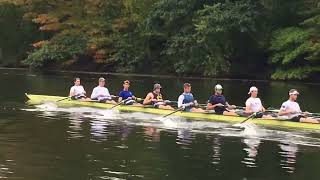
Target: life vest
188,98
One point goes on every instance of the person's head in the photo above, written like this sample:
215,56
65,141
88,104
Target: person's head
218,89
293,94
102,82
253,91
126,84
157,88
187,87
77,81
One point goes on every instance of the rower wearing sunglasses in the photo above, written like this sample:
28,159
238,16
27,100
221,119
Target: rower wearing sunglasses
290,110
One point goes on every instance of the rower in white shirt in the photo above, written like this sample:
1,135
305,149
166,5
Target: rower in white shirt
101,93
77,91
291,111
254,104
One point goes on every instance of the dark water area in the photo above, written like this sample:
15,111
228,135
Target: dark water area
51,142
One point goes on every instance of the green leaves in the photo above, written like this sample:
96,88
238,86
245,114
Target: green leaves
184,37
61,48
296,50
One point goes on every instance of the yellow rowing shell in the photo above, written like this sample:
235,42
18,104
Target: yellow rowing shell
38,99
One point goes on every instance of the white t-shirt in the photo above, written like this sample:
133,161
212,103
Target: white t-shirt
254,103
77,90
100,93
291,106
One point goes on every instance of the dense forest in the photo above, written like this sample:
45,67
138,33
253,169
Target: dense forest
278,39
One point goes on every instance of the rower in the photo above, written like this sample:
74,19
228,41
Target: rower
101,93
155,98
218,103
77,91
186,100
291,110
127,96
254,105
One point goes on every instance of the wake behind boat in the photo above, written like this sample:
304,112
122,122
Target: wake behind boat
66,101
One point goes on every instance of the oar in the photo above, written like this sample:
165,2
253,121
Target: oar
121,102
179,109
276,111
250,117
63,99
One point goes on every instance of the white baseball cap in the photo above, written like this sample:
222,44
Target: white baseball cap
218,87
253,88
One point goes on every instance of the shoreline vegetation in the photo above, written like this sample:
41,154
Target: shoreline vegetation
237,39
79,73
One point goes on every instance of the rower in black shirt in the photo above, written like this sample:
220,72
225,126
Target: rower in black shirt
218,103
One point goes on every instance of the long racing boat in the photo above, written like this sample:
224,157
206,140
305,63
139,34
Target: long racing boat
64,101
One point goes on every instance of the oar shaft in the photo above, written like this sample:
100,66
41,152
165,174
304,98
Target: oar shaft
63,99
179,109
251,116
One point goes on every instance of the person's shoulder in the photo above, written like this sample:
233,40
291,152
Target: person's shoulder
286,102
95,88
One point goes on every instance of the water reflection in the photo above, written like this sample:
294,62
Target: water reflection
252,151
184,138
75,128
98,130
216,157
5,169
288,153
153,133
125,131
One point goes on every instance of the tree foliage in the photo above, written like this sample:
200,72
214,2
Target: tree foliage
296,49
276,39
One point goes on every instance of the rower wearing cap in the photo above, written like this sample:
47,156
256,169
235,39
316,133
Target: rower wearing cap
291,110
218,103
101,93
155,98
77,91
187,101
254,105
126,95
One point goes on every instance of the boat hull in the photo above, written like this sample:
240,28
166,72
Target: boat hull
38,99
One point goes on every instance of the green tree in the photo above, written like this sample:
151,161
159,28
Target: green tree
296,49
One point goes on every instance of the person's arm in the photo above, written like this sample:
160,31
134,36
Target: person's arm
83,91
284,110
263,109
248,107
212,106
148,99
180,101
108,94
120,97
94,94
71,93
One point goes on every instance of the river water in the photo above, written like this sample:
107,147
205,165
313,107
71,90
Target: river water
49,142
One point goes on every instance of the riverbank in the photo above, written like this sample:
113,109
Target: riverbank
159,76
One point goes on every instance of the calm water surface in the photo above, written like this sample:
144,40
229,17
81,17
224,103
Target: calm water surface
50,142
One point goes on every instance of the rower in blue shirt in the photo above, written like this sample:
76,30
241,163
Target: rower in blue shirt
218,103
127,96
187,101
